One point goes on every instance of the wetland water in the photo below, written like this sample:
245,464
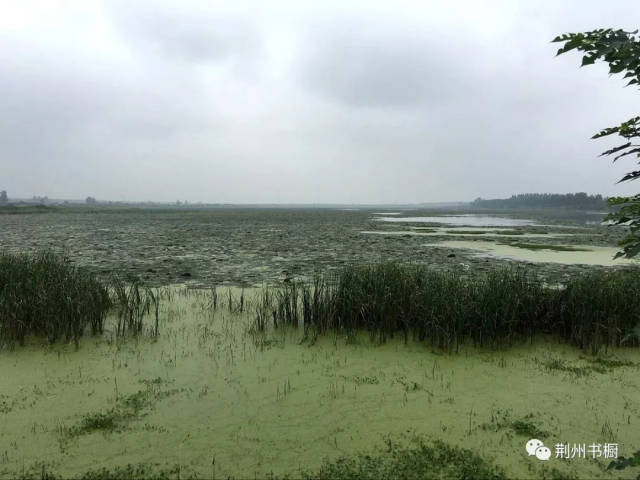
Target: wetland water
212,388
584,254
248,247
470,219
208,388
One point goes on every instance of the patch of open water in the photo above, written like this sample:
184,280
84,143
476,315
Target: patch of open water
465,219
593,255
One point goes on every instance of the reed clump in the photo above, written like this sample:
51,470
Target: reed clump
494,309
43,294
600,308
132,303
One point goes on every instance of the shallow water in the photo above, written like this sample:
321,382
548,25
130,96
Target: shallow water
243,247
279,405
594,256
443,233
465,219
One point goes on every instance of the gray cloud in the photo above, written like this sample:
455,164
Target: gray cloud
381,67
192,35
402,102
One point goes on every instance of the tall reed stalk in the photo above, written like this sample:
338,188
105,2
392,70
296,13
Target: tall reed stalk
43,294
494,309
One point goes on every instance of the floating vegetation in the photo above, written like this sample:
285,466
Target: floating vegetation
495,309
415,460
611,363
127,472
525,426
624,462
579,371
127,408
539,246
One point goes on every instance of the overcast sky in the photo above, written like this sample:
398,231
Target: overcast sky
305,102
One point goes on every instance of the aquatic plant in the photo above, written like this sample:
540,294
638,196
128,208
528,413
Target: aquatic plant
493,309
600,309
624,462
43,294
126,472
538,246
127,408
132,303
415,460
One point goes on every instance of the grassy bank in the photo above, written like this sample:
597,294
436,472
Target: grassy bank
44,295
495,309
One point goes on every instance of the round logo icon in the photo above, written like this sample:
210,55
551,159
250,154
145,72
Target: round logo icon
543,453
532,445
537,448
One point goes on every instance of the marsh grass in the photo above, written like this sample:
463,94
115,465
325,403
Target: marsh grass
601,308
126,409
611,363
525,426
126,472
624,462
417,459
133,303
560,365
43,294
494,309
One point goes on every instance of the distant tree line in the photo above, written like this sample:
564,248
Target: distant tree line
542,200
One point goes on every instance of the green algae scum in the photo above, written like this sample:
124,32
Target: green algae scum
442,365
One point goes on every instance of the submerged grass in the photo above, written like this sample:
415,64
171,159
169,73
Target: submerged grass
525,426
416,460
138,471
127,408
495,309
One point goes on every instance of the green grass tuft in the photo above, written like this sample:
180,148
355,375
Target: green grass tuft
416,461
